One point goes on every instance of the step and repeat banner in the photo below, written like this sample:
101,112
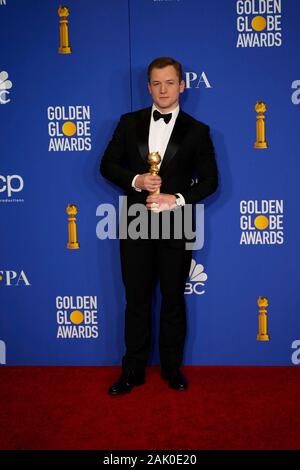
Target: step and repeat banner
67,73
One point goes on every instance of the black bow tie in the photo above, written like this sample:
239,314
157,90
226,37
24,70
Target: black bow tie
166,117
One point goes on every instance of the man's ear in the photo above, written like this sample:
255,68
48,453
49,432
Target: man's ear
149,88
181,86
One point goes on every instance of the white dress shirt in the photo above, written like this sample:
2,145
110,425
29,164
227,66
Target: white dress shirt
159,136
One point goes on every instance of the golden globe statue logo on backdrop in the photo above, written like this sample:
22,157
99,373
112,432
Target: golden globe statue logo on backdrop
260,142
72,211
64,46
258,23
262,334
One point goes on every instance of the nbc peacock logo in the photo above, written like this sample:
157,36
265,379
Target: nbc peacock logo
5,85
197,278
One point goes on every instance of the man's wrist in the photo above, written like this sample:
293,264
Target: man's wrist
133,184
172,203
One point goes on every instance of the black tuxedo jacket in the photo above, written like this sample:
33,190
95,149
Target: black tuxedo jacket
189,155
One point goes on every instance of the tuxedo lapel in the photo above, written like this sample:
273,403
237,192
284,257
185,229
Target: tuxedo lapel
178,133
143,125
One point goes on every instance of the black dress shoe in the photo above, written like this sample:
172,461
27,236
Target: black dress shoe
126,382
176,379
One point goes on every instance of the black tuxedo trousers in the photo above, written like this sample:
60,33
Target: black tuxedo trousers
144,262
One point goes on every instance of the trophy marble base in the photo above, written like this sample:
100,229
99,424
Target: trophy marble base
263,337
260,145
73,246
65,50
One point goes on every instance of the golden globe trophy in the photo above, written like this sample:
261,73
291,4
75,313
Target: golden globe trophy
260,143
154,160
262,335
72,228
63,13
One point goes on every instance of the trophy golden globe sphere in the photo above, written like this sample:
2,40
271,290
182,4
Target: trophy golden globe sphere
262,302
154,158
71,209
63,11
260,107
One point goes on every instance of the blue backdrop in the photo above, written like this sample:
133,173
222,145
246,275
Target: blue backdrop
62,306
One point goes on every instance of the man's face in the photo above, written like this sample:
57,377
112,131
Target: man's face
165,88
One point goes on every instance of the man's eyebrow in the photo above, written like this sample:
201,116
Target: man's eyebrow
168,80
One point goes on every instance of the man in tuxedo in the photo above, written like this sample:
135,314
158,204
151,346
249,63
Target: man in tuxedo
186,152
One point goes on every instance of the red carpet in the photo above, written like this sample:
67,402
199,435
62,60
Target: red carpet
224,408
